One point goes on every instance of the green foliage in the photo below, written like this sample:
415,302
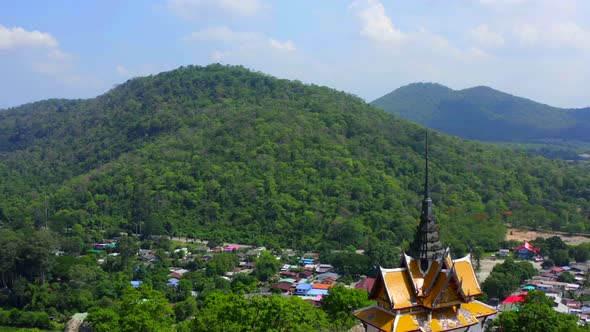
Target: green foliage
350,264
581,252
224,153
141,309
103,319
339,304
185,309
560,257
19,318
536,314
236,313
566,277
266,266
221,263
506,277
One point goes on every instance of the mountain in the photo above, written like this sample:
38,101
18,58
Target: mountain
229,154
486,114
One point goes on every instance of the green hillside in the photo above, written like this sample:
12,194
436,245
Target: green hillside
485,114
227,153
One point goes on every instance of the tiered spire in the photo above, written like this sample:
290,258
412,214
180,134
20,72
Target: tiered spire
426,246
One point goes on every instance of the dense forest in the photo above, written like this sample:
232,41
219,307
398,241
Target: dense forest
486,114
226,153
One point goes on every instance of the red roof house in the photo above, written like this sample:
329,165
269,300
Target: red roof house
527,251
365,283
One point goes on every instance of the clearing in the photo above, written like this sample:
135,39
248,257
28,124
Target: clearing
527,235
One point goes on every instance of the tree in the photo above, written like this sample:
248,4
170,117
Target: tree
220,263
9,242
236,313
36,253
127,246
560,257
185,309
581,252
144,309
506,277
566,277
350,264
103,319
536,314
339,304
266,266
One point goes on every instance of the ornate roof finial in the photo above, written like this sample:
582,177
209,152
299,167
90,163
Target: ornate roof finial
426,246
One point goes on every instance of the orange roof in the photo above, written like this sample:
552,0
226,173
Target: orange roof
429,279
321,286
399,287
376,317
478,309
466,277
416,274
407,323
437,288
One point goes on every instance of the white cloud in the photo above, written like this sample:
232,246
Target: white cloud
504,2
190,9
559,34
485,37
12,38
218,56
122,70
375,24
287,45
570,34
57,54
526,34
221,34
41,54
239,42
141,70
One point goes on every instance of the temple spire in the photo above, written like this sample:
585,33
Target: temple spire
426,246
426,179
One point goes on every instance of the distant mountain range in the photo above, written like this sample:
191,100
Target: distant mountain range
483,113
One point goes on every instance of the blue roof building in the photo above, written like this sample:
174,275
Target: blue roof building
316,292
302,289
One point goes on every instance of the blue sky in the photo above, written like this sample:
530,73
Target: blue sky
538,49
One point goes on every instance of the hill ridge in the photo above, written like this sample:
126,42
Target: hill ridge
224,152
484,113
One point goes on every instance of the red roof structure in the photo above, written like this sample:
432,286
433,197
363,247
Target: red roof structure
365,283
529,247
284,286
513,299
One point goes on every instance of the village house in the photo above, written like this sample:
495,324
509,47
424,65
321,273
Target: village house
527,251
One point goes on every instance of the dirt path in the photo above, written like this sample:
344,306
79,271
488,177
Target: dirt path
485,268
527,235
487,264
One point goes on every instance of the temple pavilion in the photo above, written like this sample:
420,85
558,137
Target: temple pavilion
429,291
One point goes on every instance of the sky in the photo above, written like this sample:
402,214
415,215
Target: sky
537,49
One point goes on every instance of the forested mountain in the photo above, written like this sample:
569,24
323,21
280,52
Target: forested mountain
483,113
228,153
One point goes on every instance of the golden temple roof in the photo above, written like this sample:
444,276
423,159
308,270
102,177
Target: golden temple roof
465,275
446,319
377,317
398,285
